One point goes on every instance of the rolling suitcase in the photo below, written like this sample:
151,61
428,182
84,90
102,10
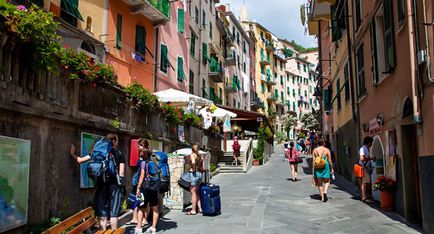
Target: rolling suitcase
210,199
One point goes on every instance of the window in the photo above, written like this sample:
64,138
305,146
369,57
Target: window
361,71
196,15
191,82
141,40
281,97
180,73
205,57
281,80
119,32
298,66
305,93
299,91
262,88
204,94
358,12
347,84
203,19
374,62
389,39
89,24
234,102
210,30
193,44
164,62
244,67
238,38
244,46
287,90
180,20
338,94
304,67
401,13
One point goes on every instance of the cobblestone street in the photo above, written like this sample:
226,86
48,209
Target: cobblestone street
265,200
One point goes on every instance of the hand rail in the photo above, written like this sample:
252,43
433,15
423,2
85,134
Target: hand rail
247,155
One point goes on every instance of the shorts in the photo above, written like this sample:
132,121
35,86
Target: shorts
150,197
366,178
108,199
196,178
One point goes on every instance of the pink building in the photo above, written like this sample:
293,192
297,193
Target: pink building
172,70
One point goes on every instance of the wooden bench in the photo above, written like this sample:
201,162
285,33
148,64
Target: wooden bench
84,221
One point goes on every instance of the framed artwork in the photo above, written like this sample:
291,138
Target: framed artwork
14,182
86,142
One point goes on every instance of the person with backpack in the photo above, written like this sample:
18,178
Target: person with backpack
196,168
108,196
321,168
147,188
145,150
236,148
293,157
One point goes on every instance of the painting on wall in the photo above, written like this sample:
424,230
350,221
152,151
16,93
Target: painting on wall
14,182
87,141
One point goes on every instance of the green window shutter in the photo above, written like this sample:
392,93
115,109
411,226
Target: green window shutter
164,59
327,100
205,57
244,67
140,40
193,45
374,66
287,90
181,75
180,20
203,18
262,88
281,97
281,80
389,39
119,32
210,30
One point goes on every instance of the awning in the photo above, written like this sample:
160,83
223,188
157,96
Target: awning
180,98
71,7
220,113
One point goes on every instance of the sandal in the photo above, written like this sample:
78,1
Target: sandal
190,213
131,223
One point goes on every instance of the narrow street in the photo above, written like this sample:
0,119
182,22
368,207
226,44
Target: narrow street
266,201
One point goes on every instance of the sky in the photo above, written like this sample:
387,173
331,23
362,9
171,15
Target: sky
281,17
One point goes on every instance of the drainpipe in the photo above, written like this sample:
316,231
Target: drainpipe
354,104
320,72
156,59
414,71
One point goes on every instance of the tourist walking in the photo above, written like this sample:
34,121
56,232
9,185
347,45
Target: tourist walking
196,168
145,150
236,147
147,188
321,168
108,196
365,160
293,158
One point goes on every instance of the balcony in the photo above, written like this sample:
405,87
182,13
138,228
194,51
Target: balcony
318,9
279,102
230,59
264,61
264,78
215,71
230,39
158,11
273,97
271,80
233,85
256,103
269,46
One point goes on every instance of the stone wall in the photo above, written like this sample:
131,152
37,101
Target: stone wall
52,112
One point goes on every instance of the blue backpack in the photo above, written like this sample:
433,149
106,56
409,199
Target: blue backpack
101,165
163,166
157,173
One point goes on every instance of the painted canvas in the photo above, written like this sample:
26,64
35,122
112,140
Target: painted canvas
14,182
86,143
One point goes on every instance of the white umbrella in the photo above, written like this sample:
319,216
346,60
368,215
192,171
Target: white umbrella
220,113
186,151
180,98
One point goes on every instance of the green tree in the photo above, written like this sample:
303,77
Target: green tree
290,122
309,122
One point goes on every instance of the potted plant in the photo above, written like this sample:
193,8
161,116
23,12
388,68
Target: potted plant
386,187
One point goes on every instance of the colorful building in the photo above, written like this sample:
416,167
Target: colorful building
130,40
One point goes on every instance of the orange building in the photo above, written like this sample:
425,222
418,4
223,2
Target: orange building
130,39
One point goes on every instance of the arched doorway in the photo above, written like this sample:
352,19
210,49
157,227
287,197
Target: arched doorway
378,153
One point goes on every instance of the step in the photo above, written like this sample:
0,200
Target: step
232,172
231,167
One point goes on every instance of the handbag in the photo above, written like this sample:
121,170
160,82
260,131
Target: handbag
359,171
185,181
298,160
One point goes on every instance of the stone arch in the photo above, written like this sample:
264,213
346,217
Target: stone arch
377,150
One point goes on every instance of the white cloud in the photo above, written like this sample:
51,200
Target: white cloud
281,17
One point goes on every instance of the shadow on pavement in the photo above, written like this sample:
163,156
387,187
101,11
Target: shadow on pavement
308,170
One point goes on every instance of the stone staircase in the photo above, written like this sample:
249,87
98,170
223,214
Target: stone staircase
226,166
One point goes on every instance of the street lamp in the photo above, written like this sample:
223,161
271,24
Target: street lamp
318,89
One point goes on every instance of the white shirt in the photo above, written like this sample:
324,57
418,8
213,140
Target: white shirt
365,152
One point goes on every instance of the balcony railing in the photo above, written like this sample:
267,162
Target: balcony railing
230,58
158,11
213,97
215,70
269,46
264,60
271,80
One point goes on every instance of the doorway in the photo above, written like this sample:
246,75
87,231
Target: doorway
378,153
410,178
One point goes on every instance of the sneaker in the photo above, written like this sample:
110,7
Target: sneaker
151,230
138,231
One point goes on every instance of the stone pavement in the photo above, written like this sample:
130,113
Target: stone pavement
265,200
